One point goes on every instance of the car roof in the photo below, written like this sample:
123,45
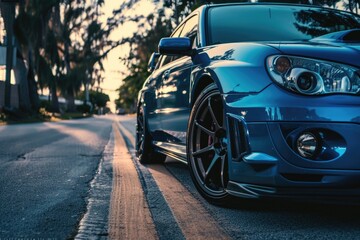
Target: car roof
210,5
203,8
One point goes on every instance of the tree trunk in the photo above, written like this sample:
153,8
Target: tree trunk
21,72
8,13
87,97
356,7
54,98
70,100
34,96
351,5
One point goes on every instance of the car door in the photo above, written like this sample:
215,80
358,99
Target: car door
152,103
153,95
174,92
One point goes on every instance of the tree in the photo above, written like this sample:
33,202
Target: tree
98,99
63,44
142,46
31,32
85,44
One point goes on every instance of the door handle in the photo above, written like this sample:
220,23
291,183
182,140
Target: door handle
166,74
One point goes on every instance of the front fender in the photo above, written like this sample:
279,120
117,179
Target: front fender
235,68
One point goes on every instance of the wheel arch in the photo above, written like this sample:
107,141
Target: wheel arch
202,80
140,99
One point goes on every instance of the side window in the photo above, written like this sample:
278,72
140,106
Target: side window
190,29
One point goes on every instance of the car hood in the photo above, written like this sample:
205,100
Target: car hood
347,53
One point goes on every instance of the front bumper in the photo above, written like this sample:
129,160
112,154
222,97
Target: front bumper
330,195
265,162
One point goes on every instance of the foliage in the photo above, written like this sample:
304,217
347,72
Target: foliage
63,43
98,99
142,48
83,108
46,105
130,87
76,115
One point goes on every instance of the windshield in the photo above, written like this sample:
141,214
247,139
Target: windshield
245,23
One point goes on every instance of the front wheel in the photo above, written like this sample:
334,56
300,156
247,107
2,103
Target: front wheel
207,146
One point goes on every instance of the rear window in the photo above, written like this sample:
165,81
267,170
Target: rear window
244,23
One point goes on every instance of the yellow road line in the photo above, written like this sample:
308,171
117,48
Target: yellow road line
194,220
129,216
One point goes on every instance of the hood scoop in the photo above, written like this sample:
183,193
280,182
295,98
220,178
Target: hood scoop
347,36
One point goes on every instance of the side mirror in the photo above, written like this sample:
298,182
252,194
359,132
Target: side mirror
175,46
152,61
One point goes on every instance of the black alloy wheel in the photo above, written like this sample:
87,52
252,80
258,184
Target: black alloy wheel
144,149
207,146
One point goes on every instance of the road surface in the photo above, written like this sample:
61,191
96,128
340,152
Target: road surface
80,179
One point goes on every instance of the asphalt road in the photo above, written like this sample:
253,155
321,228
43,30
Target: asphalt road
45,171
80,179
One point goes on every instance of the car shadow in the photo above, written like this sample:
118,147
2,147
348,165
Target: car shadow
336,210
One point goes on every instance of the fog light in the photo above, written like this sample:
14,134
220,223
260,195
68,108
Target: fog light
307,145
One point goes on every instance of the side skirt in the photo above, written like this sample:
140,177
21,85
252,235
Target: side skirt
172,150
248,190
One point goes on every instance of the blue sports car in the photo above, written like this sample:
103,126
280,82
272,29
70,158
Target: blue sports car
260,100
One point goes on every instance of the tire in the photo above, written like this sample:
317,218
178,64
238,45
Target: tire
144,148
207,147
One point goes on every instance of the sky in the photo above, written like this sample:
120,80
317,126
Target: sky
114,67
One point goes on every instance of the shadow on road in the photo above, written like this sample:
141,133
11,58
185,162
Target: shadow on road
280,211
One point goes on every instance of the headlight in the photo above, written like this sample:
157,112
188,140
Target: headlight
311,76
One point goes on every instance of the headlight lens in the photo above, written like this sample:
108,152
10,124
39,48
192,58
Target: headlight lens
311,76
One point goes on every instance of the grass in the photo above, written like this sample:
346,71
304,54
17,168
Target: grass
68,116
42,116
